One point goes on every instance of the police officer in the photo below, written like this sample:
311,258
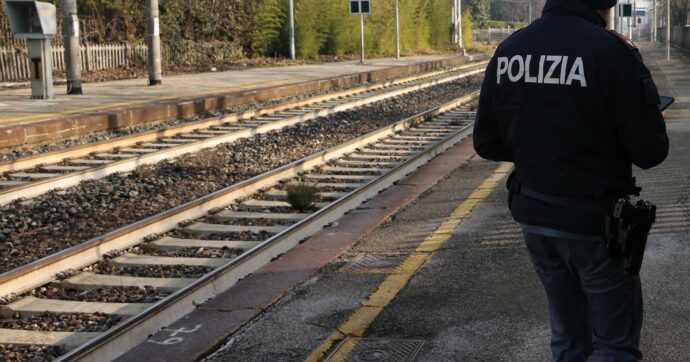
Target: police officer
573,106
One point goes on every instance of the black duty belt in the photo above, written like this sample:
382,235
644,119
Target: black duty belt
599,206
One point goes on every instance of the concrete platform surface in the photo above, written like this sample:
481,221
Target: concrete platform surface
183,95
449,279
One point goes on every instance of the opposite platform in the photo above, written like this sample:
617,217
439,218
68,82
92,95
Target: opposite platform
117,104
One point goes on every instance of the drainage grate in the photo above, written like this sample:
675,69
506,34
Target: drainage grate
376,350
374,263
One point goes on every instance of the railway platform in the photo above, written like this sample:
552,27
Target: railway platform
435,269
117,104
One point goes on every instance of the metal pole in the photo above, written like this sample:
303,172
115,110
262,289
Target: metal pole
668,29
614,11
529,9
654,21
454,24
361,38
630,27
458,16
153,42
617,16
70,35
292,29
397,31
633,20
638,25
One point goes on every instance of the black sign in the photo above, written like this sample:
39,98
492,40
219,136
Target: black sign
626,10
360,6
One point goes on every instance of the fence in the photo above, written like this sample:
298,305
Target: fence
492,35
15,64
680,35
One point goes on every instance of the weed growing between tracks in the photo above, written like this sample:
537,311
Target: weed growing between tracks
302,196
35,228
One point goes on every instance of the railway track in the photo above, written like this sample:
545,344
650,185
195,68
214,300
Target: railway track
193,252
28,177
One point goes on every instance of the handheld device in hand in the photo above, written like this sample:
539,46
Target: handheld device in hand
664,102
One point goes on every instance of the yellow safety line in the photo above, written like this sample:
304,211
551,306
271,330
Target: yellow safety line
358,322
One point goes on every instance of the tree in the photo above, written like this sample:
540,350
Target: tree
380,29
268,20
439,19
421,25
679,12
510,10
310,31
480,10
200,30
467,28
343,35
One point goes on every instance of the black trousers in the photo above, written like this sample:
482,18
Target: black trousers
595,309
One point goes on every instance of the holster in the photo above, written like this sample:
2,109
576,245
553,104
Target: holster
626,229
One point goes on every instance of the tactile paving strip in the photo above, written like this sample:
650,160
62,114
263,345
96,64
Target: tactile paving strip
503,234
374,263
375,350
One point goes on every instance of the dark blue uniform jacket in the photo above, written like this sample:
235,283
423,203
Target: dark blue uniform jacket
574,107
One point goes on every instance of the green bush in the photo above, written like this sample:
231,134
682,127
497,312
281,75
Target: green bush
268,21
259,27
440,25
467,28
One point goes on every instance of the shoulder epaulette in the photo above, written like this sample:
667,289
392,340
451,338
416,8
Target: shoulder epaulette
622,38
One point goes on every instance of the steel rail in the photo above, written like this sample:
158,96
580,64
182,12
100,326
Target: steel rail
60,155
41,271
136,329
35,188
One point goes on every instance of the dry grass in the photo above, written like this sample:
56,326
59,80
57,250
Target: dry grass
147,171
481,48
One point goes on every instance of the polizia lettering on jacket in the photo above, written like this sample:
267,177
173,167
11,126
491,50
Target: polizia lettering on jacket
553,69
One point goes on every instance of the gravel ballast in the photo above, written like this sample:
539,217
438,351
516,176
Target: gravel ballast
59,219
67,322
29,150
34,353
